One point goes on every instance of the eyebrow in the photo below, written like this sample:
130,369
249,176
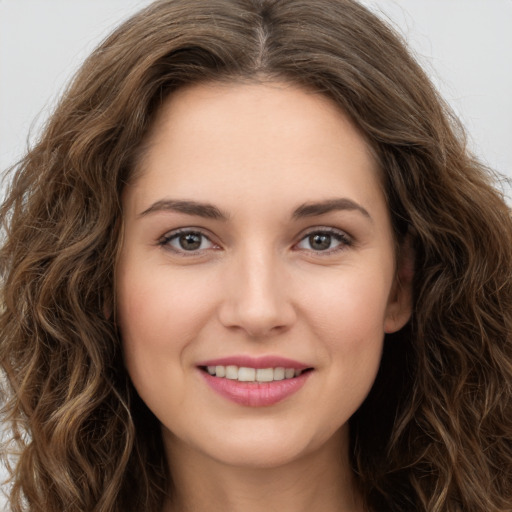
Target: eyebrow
209,211
205,210
330,205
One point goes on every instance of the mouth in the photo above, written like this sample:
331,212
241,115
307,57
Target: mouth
250,374
255,383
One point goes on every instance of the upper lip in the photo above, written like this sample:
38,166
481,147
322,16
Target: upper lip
269,361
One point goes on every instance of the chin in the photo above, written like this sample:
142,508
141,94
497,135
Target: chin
263,445
257,455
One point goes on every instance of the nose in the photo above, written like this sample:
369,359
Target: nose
256,298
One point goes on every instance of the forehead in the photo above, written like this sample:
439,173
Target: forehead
271,141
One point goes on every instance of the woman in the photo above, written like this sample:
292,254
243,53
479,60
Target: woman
250,264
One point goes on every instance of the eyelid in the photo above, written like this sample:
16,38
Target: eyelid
345,239
342,236
164,240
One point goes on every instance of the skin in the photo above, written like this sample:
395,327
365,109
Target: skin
257,285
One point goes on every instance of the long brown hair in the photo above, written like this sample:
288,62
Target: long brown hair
435,433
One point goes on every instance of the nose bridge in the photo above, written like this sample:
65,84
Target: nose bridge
256,299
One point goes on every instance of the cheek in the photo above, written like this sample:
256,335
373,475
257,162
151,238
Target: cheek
160,306
159,316
348,317
349,309
345,318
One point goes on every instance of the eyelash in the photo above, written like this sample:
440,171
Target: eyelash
339,236
166,240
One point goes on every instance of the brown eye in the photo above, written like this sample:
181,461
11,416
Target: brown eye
320,241
190,241
186,241
328,240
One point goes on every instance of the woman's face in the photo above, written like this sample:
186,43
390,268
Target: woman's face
256,236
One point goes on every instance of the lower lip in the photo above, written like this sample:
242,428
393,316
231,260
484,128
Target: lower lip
256,394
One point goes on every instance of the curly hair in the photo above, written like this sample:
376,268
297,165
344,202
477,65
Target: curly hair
83,439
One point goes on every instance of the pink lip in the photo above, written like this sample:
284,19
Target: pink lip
255,394
256,362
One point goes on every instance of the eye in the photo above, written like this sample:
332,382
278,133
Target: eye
186,241
325,240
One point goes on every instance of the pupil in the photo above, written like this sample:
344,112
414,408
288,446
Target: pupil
320,242
190,241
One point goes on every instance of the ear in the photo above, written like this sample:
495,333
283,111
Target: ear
399,308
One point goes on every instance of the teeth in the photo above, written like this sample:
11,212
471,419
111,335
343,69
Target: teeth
245,374
264,374
232,372
289,373
279,373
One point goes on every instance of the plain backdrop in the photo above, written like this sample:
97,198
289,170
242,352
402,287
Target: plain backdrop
465,46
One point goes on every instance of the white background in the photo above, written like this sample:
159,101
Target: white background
465,45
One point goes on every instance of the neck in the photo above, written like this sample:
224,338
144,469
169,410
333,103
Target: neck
320,480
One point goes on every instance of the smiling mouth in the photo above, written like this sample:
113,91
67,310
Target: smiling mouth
247,374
